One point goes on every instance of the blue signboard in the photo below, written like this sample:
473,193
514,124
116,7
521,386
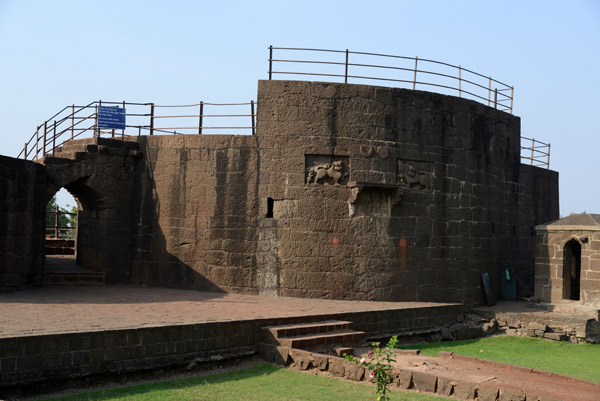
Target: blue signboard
111,117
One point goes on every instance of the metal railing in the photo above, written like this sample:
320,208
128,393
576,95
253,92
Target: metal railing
56,229
412,71
537,154
141,119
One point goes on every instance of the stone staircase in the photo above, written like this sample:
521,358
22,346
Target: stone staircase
63,270
77,149
334,334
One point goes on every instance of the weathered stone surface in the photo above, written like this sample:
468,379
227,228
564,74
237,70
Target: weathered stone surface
300,358
337,366
240,214
464,390
567,260
424,381
353,371
486,393
319,361
403,378
555,336
22,221
508,395
445,386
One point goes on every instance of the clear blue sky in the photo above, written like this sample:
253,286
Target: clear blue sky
56,53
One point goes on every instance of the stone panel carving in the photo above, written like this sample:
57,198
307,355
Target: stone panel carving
415,174
323,170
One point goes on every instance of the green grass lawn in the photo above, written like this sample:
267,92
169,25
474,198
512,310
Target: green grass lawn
262,383
575,360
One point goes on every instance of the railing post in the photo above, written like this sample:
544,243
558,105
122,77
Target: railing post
415,77
56,222
490,91
45,135
495,98
270,61
512,95
252,115
532,149
72,121
96,121
346,72
200,117
459,82
37,142
151,118
123,131
25,151
54,138
548,163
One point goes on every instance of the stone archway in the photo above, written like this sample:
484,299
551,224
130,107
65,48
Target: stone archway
572,270
100,174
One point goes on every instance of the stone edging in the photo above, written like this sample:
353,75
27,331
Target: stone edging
403,379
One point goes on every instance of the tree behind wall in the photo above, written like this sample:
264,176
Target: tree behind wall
63,219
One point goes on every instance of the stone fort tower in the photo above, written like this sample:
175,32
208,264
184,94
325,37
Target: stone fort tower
345,192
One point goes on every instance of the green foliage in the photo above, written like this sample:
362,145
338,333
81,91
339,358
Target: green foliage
575,360
262,383
64,220
378,365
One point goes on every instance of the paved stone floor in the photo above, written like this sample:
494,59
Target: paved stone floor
64,309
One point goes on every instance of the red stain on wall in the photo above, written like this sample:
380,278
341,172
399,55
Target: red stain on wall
402,244
336,242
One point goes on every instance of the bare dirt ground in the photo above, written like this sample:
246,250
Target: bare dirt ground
499,375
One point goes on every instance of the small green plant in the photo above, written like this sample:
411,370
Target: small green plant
378,364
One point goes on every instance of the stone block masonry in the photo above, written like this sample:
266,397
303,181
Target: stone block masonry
345,192
26,360
435,193
22,221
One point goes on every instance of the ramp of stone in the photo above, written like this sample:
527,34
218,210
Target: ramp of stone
314,334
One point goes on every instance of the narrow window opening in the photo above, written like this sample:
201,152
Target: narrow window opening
270,204
493,228
514,231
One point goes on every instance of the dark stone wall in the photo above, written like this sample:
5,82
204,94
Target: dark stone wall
194,224
444,196
22,212
100,173
33,359
345,192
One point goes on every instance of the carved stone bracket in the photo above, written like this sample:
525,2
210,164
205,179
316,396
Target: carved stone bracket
356,187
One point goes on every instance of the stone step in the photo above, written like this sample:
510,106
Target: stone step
306,341
571,309
95,278
290,330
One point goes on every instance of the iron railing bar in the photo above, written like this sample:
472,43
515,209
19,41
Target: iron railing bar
306,49
168,128
206,115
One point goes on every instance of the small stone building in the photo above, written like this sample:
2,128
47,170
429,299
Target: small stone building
567,263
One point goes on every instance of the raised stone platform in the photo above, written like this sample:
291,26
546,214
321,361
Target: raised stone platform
54,333
561,321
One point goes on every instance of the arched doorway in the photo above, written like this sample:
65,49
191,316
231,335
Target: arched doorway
73,227
571,270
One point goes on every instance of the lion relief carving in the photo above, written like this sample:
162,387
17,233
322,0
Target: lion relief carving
327,173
